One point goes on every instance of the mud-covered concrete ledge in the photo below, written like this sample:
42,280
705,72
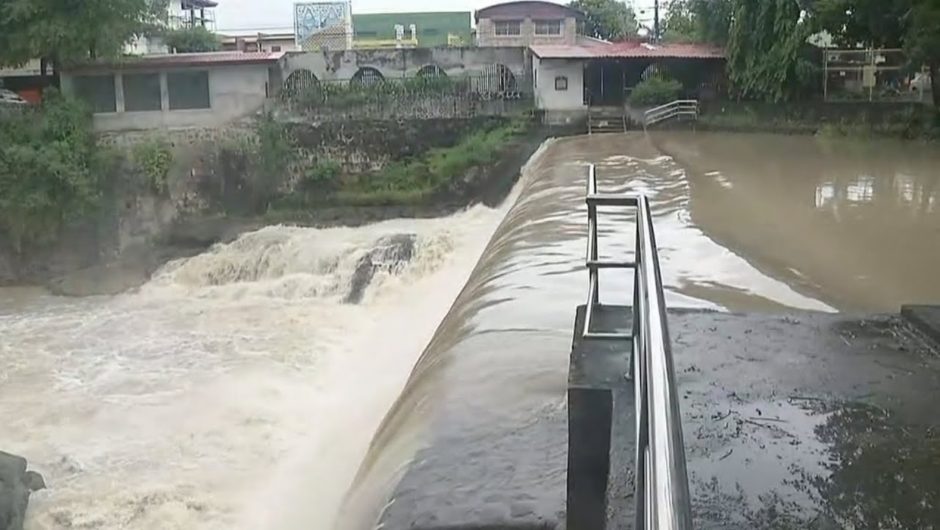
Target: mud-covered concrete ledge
925,318
791,421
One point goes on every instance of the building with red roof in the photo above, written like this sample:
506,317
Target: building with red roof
568,79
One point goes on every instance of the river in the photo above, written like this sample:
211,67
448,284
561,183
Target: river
240,389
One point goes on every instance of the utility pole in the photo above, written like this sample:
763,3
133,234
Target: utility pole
655,20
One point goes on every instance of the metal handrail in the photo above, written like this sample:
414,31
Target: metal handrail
682,107
662,485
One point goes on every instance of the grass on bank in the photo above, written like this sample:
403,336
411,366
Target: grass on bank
407,182
909,123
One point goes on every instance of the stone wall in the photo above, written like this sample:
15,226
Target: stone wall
400,63
367,145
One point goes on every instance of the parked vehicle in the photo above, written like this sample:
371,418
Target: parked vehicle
8,97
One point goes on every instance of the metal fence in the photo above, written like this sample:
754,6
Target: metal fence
371,97
662,483
872,75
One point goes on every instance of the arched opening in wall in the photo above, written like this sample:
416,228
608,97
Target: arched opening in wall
431,70
653,70
497,80
298,82
367,76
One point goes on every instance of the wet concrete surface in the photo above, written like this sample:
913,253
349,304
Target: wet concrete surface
925,318
805,420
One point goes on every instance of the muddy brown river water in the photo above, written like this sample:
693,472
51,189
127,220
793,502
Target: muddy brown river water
238,390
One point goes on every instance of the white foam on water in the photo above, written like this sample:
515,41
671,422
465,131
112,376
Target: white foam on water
236,389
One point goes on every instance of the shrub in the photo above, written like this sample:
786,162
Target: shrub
48,170
153,159
192,40
322,176
655,91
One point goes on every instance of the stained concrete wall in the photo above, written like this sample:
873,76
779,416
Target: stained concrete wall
234,92
560,106
394,64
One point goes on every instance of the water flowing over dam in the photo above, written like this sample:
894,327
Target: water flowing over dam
301,378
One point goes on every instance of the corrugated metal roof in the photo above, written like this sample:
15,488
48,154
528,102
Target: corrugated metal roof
181,60
628,50
527,9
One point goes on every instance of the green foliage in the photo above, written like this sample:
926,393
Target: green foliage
408,181
911,122
323,176
607,19
656,90
275,150
766,50
679,22
153,159
192,40
48,170
66,31
698,21
875,23
922,41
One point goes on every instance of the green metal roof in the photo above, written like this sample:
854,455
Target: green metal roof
433,28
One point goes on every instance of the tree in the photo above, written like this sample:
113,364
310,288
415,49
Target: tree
922,41
192,40
66,31
606,19
49,170
713,20
765,50
679,22
699,21
871,23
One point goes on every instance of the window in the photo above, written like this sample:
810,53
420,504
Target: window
548,27
275,49
430,31
188,90
141,92
561,83
97,91
366,34
508,28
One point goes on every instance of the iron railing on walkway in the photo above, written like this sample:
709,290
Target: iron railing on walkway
682,108
662,485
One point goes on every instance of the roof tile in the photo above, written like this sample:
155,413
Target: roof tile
628,50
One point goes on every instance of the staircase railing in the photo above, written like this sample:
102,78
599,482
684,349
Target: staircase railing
682,108
662,484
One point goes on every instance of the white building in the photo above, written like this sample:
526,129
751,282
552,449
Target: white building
180,14
569,79
175,91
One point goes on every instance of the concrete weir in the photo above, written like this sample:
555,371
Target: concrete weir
804,420
794,416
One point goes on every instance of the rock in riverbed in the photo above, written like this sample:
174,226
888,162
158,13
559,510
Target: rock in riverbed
15,486
389,254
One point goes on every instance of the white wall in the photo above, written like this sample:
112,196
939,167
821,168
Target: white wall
559,104
234,92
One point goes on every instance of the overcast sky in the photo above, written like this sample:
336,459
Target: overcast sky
278,14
